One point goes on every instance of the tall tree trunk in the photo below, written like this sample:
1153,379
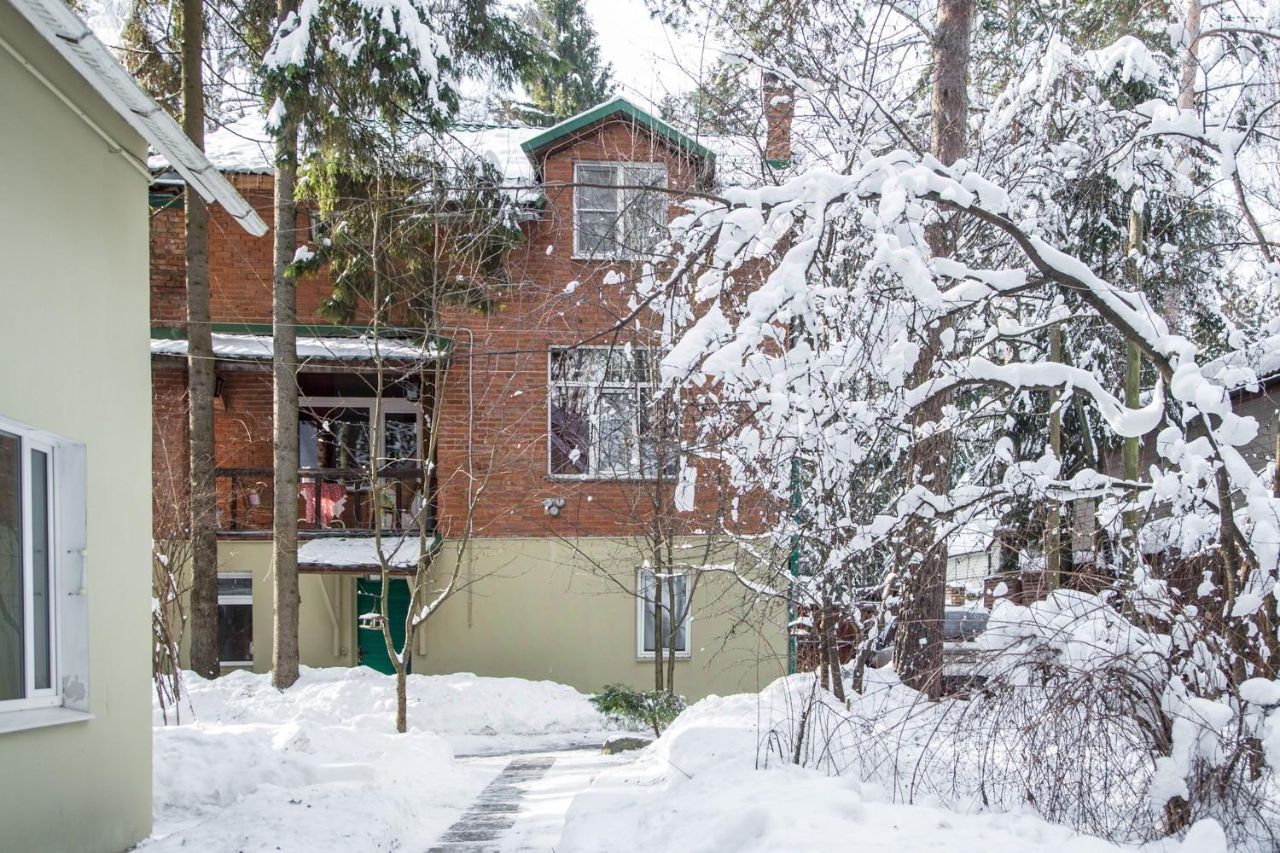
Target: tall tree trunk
284,365
657,631
402,693
1133,382
200,376
1190,58
833,650
918,651
1053,526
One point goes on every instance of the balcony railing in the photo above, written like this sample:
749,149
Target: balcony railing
330,501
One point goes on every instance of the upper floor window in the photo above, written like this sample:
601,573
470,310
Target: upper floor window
619,209
605,418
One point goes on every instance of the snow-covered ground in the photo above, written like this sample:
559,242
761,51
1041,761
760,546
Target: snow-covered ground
319,767
715,781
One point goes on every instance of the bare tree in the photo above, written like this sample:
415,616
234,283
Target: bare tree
170,557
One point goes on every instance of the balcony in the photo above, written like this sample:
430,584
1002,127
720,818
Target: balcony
330,502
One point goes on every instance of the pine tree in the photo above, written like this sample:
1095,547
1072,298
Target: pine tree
200,376
568,76
340,75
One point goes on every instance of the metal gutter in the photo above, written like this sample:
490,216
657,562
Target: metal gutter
76,43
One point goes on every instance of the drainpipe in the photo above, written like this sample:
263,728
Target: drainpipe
793,565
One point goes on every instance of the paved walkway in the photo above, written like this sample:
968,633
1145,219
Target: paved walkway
523,808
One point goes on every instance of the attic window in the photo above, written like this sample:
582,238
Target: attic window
619,209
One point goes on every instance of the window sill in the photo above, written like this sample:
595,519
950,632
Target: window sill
648,657
38,718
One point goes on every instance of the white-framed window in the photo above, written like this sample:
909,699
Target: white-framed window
235,619
619,209
28,653
43,618
604,419
663,600
335,432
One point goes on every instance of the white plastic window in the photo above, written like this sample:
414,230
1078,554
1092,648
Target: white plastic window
28,570
603,418
619,209
663,601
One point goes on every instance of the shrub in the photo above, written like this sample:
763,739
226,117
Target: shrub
653,708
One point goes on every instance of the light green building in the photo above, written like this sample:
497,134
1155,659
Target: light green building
75,432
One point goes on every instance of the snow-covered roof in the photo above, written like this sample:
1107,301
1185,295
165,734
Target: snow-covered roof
973,537
244,146
740,159
502,147
1240,370
617,105
359,552
72,38
244,347
240,147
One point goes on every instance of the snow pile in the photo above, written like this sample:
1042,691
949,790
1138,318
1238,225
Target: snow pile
451,705
721,779
320,767
401,552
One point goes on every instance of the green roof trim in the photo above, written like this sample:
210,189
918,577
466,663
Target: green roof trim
611,107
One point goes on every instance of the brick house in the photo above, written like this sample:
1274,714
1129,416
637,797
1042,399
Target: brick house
541,459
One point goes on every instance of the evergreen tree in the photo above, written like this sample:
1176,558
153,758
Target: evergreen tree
341,77
727,102
568,77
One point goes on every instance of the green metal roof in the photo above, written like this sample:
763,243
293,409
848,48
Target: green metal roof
615,106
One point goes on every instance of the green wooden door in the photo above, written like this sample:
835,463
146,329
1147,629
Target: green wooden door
373,650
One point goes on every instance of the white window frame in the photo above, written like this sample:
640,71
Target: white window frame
619,250
237,600
68,626
390,406
642,616
635,470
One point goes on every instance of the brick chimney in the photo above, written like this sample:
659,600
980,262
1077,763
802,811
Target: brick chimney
779,110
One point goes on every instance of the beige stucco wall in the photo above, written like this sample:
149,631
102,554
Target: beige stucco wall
326,618
540,609
73,342
565,611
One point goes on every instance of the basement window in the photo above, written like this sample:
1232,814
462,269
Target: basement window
604,419
619,209
235,619
657,612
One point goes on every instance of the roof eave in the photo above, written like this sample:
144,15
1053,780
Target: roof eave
614,106
76,43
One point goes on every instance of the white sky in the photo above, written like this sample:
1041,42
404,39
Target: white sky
649,60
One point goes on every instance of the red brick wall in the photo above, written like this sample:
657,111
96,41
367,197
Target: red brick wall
493,434
169,450
503,357
239,265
